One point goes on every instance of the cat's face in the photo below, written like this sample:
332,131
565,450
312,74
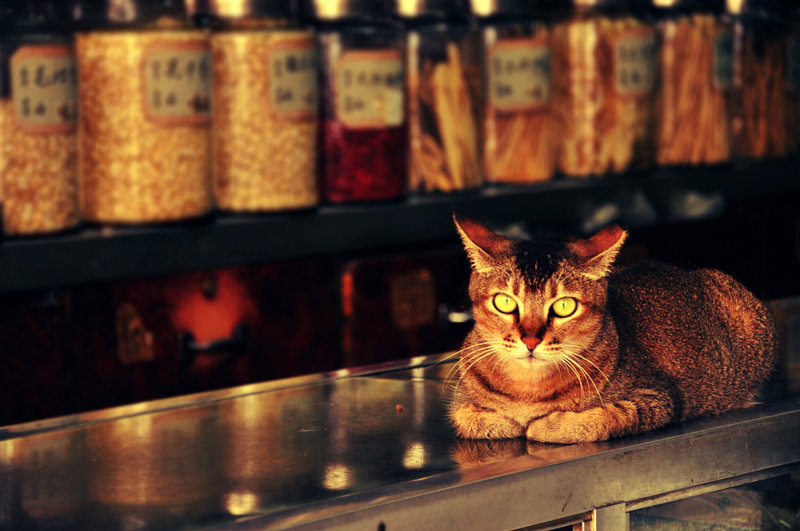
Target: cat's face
537,308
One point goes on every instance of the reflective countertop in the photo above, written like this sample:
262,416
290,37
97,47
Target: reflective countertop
370,446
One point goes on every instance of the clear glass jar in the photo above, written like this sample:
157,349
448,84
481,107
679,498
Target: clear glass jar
519,141
443,88
264,105
760,101
145,80
38,119
604,80
363,135
695,74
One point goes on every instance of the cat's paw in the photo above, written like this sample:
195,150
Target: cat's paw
474,422
566,427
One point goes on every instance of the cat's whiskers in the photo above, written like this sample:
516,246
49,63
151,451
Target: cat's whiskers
475,353
570,365
568,355
568,346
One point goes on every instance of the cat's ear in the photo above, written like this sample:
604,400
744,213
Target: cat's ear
481,244
598,252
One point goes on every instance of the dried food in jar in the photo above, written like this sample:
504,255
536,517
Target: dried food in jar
762,105
264,114
604,71
144,147
38,153
519,128
693,122
444,138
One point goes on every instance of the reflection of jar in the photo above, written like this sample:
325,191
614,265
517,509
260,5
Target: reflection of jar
696,71
144,103
38,119
604,73
264,92
443,80
760,80
519,137
363,145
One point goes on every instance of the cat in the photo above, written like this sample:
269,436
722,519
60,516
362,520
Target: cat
565,348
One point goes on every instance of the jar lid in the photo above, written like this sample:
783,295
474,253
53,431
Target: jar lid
236,9
441,9
488,8
702,5
94,13
622,4
341,10
752,7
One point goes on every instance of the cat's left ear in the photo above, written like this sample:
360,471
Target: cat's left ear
482,245
597,253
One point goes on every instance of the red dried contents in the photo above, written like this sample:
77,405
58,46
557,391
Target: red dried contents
362,164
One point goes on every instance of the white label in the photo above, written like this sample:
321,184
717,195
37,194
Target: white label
635,62
519,74
177,82
369,89
44,88
293,78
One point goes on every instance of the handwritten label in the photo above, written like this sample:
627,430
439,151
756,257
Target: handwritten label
635,62
723,59
369,89
519,74
44,88
293,78
177,79
793,64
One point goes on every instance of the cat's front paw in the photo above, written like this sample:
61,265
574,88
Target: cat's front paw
566,427
475,422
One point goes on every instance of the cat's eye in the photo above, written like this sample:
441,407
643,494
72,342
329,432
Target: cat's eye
564,307
504,303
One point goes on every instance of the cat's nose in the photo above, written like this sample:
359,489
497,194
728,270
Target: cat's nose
531,342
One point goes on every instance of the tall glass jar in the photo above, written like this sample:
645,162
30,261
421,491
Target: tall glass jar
145,80
519,141
38,118
696,72
604,80
264,105
443,80
364,141
760,80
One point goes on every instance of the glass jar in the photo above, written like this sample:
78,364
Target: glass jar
519,140
695,74
144,102
364,142
443,88
264,106
38,119
760,105
604,79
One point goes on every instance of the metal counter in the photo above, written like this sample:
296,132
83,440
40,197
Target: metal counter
368,449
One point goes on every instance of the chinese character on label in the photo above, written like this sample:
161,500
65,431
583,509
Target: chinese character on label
44,88
370,89
177,83
635,63
519,74
293,78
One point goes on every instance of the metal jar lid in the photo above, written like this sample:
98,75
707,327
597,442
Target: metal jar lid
700,5
238,9
342,10
440,9
108,13
752,7
489,8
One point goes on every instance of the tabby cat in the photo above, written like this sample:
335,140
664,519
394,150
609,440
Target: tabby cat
565,349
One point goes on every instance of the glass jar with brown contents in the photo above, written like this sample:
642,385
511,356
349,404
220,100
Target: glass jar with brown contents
443,87
38,118
696,71
760,103
145,80
604,79
264,111
519,140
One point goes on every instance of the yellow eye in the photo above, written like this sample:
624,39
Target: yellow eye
564,307
504,303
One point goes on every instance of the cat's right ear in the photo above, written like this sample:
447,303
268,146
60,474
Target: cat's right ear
482,245
598,253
